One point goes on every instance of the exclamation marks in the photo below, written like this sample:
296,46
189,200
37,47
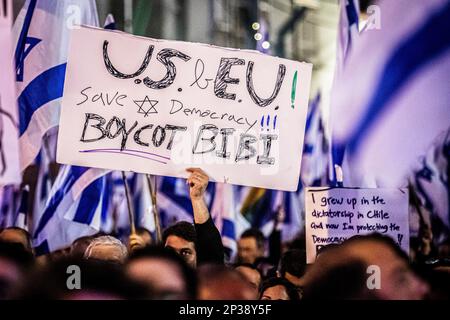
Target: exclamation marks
265,122
293,90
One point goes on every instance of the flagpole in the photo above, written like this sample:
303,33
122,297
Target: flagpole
128,15
130,208
155,208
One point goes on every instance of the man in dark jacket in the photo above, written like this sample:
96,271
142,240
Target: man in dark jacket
201,242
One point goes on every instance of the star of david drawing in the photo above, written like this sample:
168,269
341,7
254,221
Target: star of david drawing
146,106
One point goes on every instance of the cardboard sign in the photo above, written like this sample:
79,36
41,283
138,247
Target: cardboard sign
336,214
9,124
154,106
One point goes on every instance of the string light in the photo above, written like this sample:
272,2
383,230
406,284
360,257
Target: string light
255,26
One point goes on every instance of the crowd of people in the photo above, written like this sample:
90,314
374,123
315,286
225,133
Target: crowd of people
189,264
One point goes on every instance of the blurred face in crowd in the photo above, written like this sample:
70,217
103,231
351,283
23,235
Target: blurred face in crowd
163,277
252,276
15,236
221,283
107,252
398,281
248,250
277,292
10,274
184,248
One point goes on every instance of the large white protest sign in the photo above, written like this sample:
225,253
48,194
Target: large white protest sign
155,106
336,214
9,132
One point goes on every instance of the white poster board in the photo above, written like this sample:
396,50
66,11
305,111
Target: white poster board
336,214
154,106
9,124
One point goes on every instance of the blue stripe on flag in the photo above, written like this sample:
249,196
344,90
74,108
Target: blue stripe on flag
352,15
46,87
20,49
41,249
424,45
228,229
105,198
74,174
89,202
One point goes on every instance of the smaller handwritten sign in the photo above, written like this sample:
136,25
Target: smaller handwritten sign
336,214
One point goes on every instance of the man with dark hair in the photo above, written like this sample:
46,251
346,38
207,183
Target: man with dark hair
179,280
293,266
250,246
17,235
278,289
201,242
182,238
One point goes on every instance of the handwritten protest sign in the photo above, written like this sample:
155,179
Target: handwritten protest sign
154,106
335,214
9,131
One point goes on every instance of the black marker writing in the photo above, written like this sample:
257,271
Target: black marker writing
165,56
223,77
251,90
198,73
116,73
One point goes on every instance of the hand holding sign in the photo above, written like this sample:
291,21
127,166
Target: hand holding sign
198,181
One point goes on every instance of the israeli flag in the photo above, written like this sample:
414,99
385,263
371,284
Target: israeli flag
432,185
315,149
393,97
174,202
347,37
140,200
227,218
9,196
42,31
77,201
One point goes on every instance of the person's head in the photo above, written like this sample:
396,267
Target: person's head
181,237
17,235
218,282
79,246
15,262
106,248
250,246
361,257
80,279
164,272
250,273
278,289
145,234
293,266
